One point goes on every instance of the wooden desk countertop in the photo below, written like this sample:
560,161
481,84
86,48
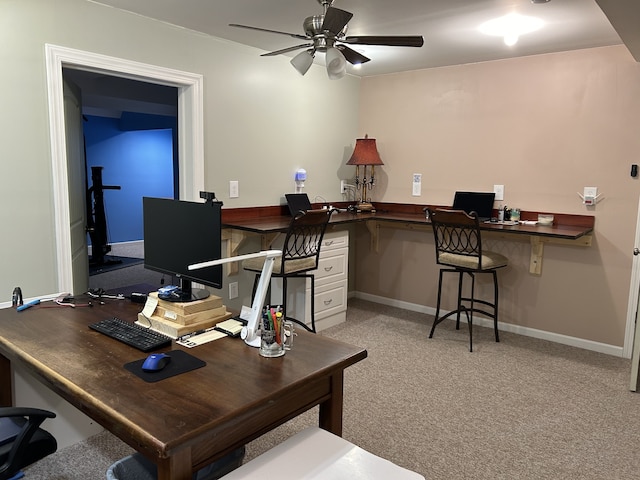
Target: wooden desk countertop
270,221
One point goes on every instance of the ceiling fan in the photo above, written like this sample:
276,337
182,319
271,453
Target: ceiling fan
327,33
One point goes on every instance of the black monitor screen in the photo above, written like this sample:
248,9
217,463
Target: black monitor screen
479,202
177,234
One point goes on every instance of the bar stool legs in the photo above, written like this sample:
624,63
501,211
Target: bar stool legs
471,300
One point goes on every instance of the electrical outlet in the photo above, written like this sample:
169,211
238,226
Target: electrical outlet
417,185
343,186
499,191
233,290
233,189
590,196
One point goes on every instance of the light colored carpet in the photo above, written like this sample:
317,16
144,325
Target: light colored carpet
132,275
519,409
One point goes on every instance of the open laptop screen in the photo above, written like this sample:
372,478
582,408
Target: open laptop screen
479,202
297,202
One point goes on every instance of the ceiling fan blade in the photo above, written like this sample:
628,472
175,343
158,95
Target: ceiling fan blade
392,41
335,20
294,35
352,56
287,50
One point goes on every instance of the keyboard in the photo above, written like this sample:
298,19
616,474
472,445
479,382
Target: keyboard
134,335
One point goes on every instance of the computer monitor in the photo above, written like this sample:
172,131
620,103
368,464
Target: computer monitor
177,234
479,202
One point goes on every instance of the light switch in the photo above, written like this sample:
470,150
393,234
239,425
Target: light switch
417,185
233,189
499,191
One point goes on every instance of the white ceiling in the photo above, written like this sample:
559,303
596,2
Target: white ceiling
449,27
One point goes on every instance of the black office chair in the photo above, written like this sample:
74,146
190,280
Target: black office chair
22,441
300,254
459,245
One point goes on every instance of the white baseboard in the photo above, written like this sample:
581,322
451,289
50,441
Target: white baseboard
506,327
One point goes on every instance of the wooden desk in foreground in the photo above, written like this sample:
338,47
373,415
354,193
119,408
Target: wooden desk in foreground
268,222
184,422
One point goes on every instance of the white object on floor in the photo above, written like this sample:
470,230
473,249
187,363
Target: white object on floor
317,454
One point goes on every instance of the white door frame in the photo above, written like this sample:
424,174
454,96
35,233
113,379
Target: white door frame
190,132
634,294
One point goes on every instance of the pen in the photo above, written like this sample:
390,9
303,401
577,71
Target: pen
27,305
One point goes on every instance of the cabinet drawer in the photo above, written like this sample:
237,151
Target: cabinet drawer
332,266
334,239
330,299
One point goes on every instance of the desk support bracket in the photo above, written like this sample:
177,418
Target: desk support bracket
234,239
537,249
267,240
537,253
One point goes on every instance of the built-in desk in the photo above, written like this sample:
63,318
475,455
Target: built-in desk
268,222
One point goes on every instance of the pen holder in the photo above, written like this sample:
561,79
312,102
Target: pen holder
274,342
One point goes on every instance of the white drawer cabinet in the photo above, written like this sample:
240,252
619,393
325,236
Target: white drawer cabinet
331,279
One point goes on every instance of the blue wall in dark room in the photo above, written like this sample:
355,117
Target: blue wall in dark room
139,161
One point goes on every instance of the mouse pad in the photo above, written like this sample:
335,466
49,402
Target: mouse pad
181,362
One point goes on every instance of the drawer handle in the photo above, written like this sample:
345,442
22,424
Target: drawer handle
328,269
328,302
328,243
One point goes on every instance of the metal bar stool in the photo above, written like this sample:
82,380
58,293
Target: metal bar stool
300,255
458,244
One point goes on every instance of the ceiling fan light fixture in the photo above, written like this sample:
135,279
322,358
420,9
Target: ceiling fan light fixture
336,63
511,26
302,62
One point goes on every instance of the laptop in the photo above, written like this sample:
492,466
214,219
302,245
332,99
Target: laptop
297,202
479,202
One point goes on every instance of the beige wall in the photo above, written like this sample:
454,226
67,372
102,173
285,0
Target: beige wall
262,121
544,126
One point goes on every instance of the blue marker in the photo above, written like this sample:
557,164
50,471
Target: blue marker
27,305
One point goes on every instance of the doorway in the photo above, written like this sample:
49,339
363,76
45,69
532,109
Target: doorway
190,133
130,136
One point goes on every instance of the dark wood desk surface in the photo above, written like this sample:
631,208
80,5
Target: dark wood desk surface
268,222
280,223
186,421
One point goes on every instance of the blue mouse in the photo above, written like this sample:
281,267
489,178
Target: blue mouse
156,362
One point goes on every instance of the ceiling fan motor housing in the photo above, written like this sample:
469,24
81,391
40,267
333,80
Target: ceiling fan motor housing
322,39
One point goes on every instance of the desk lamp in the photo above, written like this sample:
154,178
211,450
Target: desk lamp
365,153
251,332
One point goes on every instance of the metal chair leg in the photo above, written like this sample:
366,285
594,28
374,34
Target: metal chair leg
313,303
495,305
470,314
302,323
435,320
459,308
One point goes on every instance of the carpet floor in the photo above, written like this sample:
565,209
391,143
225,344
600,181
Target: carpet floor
519,409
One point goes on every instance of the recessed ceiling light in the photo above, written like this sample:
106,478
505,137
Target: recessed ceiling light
511,26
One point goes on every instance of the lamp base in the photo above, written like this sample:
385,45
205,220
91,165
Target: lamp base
365,207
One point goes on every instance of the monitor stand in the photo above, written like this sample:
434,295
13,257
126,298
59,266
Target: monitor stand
186,293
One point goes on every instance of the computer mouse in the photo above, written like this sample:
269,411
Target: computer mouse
156,362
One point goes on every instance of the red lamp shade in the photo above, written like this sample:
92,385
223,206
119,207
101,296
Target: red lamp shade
365,153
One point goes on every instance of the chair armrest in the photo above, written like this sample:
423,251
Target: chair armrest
26,412
24,433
